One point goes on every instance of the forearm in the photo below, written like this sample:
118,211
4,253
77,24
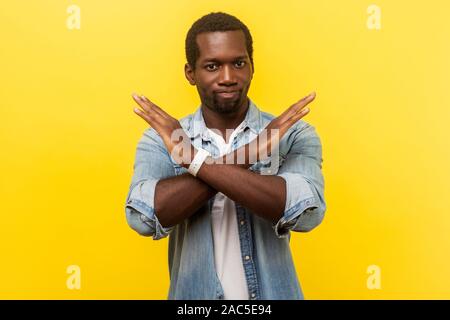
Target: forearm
264,195
190,194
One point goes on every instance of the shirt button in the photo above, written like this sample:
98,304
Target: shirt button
242,222
253,295
247,258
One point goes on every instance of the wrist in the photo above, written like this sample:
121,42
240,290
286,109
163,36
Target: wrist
187,160
199,157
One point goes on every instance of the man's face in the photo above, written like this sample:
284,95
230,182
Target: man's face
223,71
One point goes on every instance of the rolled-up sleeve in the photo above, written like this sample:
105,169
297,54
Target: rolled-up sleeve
152,163
302,170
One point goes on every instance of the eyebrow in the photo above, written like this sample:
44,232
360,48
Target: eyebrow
216,60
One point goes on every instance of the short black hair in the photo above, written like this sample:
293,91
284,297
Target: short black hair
212,22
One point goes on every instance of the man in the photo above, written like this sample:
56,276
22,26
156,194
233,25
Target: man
229,224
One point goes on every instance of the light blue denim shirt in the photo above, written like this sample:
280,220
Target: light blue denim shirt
266,255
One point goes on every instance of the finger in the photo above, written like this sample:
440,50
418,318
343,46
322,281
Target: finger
155,107
298,106
145,105
144,115
302,103
141,102
298,116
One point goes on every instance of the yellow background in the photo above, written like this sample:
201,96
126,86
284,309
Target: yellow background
68,137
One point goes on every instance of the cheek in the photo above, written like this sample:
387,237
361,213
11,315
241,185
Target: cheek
247,82
203,87
206,85
204,80
246,77
203,90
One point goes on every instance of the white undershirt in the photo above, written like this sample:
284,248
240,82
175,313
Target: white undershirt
227,247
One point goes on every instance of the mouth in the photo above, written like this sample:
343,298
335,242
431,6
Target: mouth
228,94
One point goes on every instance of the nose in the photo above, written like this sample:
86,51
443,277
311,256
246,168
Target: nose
227,76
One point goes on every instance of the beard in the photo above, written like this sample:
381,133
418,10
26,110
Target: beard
227,106
223,106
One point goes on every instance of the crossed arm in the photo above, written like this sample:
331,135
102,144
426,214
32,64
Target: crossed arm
264,195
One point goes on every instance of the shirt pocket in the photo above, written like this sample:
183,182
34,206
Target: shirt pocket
269,166
179,170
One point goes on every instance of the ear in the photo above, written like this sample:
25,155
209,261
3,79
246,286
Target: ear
189,74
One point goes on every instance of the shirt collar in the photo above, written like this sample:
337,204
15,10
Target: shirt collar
252,120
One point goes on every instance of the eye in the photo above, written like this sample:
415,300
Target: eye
239,64
211,67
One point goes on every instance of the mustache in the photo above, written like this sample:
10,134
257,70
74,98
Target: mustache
227,91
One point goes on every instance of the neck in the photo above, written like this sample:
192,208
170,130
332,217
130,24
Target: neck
220,121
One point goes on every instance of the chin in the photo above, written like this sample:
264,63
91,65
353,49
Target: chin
227,106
